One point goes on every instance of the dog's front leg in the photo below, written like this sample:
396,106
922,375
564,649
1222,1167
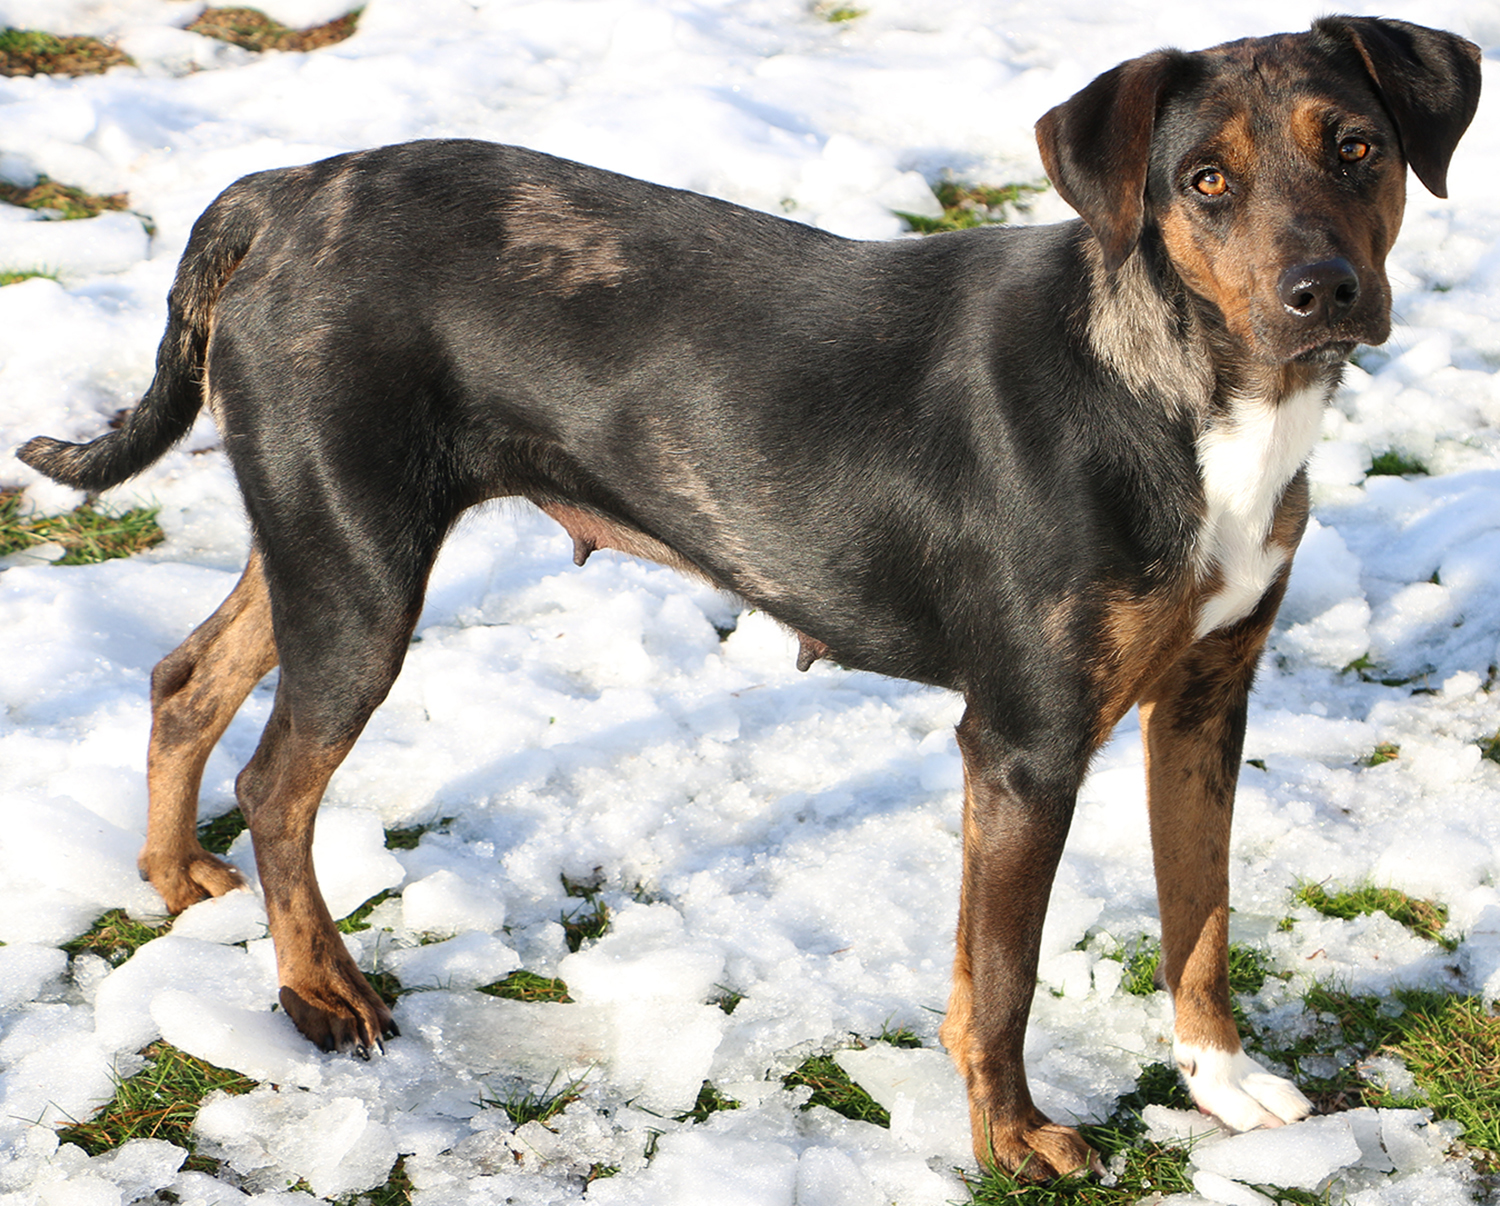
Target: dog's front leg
1016,818
1193,725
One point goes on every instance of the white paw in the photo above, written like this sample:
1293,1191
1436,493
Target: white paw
1238,1091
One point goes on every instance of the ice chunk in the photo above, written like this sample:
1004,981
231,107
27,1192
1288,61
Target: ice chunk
830,1177
691,1166
140,1167
1226,1192
446,903
923,1092
234,917
1301,1156
24,969
261,1044
467,961
122,1006
274,1139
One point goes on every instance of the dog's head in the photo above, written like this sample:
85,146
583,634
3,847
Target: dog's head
1271,170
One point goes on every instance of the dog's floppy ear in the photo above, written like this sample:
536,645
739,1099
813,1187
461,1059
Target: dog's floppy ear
1096,147
1428,79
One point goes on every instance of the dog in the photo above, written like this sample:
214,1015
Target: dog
1057,469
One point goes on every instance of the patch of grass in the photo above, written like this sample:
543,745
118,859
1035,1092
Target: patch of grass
525,1105
32,52
1364,666
90,534
359,919
528,986
408,837
28,274
831,1087
67,202
115,937
1392,463
1425,918
1450,1044
1141,960
710,1101
728,999
835,13
395,1192
158,1102
253,30
1144,1171
901,1036
969,205
1386,751
1489,748
217,835
590,920
1248,968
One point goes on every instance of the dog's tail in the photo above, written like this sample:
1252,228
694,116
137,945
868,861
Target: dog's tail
219,241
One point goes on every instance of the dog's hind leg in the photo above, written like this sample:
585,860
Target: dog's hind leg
1193,725
1017,809
345,598
195,692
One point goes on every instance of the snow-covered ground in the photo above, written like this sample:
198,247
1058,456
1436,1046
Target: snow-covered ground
792,838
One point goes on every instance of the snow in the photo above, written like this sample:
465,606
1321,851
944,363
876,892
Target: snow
791,838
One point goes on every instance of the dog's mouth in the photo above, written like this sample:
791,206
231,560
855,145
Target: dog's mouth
1334,351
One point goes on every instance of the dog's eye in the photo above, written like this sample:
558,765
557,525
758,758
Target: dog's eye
1211,182
1352,150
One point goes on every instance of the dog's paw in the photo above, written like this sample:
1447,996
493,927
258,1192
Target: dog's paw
1238,1091
185,878
1039,1152
337,1009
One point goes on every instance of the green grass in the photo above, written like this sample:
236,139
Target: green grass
32,52
1424,918
728,999
158,1102
217,835
835,13
968,205
539,1105
115,937
90,534
1449,1043
1386,751
253,30
63,199
710,1101
395,1192
1144,1171
1141,959
27,274
831,1087
1392,463
360,919
528,986
590,920
1489,748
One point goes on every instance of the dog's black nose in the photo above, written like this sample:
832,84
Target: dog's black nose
1321,292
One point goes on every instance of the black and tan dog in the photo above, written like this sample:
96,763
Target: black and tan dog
1059,470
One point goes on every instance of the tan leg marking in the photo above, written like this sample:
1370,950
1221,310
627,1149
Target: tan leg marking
195,692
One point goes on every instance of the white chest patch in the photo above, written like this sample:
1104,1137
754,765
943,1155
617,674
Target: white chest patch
1247,458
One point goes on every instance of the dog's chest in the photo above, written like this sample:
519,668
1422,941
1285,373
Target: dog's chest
1247,458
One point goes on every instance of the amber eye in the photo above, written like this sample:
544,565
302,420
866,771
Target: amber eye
1211,182
1352,150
